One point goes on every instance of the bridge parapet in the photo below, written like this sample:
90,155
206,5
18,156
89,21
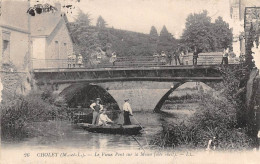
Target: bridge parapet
132,61
166,73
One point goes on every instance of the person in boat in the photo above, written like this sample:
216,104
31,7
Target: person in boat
103,119
97,108
127,112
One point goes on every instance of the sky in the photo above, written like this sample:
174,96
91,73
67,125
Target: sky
140,15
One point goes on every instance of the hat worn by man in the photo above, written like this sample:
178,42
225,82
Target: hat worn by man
98,99
126,99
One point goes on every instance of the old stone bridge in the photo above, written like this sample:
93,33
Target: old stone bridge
146,87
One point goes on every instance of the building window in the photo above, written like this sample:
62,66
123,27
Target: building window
6,51
65,49
57,50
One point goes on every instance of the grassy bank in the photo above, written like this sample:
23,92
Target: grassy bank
20,116
215,117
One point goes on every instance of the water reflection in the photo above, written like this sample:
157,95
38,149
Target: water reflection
79,138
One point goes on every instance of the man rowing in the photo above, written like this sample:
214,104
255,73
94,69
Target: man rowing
127,112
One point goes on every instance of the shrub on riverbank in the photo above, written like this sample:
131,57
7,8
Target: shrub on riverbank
216,117
18,115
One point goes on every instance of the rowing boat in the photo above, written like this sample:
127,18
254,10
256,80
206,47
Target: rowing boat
113,129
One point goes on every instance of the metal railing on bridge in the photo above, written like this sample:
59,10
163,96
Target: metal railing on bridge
132,61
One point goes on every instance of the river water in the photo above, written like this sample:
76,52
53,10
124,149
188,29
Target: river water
73,137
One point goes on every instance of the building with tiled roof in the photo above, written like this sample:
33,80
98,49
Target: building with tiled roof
51,41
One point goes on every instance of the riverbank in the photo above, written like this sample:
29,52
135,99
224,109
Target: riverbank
61,142
64,133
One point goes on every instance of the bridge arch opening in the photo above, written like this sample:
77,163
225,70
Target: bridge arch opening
83,95
191,87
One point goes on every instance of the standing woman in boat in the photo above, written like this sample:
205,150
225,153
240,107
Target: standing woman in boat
97,108
127,112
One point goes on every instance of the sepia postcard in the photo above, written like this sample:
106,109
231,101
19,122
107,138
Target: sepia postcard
130,81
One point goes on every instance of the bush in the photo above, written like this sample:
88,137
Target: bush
16,115
215,118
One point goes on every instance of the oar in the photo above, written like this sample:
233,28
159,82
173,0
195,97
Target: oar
142,128
137,122
137,142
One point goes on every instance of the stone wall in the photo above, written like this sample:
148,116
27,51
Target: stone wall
14,82
253,101
257,101
251,17
143,95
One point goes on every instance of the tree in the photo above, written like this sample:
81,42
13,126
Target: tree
153,32
207,36
222,33
164,32
198,31
86,36
103,34
249,63
166,40
101,23
81,24
153,38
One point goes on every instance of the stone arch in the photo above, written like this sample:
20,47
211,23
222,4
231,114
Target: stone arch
163,99
82,93
177,85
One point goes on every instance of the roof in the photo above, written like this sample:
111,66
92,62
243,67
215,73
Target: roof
44,24
68,27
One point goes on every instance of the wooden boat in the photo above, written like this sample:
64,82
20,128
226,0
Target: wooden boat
113,129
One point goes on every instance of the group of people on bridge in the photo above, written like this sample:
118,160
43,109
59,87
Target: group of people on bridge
178,54
100,117
75,60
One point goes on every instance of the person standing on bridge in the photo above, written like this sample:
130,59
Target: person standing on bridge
170,55
177,56
195,55
182,57
127,112
113,58
97,108
73,60
69,60
156,57
80,60
163,58
225,57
